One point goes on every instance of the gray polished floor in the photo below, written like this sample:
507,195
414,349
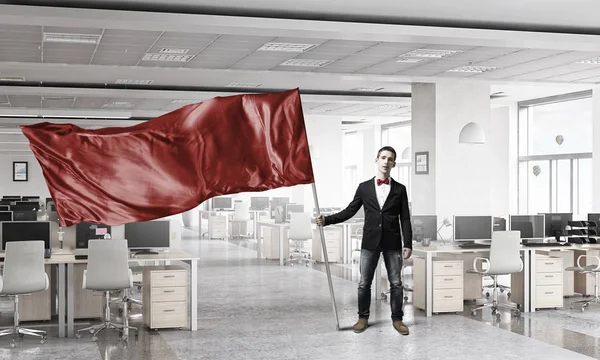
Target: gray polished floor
251,309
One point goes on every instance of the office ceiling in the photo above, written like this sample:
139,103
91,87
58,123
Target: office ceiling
118,58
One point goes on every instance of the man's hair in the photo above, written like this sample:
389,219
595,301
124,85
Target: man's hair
387,148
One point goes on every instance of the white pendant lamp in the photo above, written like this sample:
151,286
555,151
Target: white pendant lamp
471,134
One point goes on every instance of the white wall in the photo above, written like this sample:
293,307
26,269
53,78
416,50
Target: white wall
502,164
596,150
36,184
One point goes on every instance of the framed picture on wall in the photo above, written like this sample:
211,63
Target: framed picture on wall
20,171
422,162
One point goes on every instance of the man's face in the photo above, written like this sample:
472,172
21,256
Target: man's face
385,162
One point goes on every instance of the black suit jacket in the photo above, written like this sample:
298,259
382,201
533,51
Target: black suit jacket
382,225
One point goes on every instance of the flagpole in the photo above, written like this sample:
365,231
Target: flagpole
326,257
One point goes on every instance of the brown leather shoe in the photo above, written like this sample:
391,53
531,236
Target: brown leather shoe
361,325
400,327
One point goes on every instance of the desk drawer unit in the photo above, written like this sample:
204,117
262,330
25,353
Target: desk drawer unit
548,282
333,241
165,297
447,285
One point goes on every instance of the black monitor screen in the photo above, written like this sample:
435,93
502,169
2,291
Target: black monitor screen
595,218
26,205
223,202
424,227
148,234
5,202
85,231
24,215
293,208
6,216
25,231
30,198
499,223
472,228
4,207
555,224
11,197
259,202
530,226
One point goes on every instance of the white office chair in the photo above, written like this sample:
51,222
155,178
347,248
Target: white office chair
593,269
24,273
300,232
504,259
241,214
108,270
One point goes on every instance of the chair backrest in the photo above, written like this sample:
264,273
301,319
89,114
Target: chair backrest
108,265
300,226
24,271
241,212
504,253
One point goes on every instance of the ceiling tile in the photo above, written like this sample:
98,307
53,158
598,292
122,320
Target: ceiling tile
67,60
21,36
546,73
72,30
90,102
189,36
132,33
68,47
182,43
33,101
6,28
518,57
589,72
116,60
131,49
57,104
20,58
170,64
153,104
128,40
247,38
6,45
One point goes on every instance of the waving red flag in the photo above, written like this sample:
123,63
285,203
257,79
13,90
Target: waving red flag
171,164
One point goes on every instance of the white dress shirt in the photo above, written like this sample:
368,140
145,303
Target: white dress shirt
382,191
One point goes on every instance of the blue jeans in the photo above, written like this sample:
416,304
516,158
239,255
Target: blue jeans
368,263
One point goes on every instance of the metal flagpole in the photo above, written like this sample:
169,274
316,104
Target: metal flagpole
328,270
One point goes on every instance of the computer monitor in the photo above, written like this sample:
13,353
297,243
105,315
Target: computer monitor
424,227
279,202
26,205
6,216
259,202
30,198
11,197
222,203
4,207
24,215
499,223
595,217
555,224
469,228
85,231
26,231
293,208
148,235
6,202
530,226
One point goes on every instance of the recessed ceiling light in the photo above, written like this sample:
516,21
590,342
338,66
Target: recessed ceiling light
58,98
306,62
592,61
287,47
243,85
167,57
390,106
366,89
173,51
12,78
118,104
133,82
430,53
72,38
409,60
472,69
183,102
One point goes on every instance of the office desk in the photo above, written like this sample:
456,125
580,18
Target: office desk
429,252
281,227
171,255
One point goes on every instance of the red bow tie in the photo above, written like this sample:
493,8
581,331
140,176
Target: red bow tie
386,181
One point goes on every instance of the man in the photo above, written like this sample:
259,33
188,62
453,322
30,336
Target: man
384,201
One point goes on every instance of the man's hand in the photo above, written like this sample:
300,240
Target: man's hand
406,253
320,220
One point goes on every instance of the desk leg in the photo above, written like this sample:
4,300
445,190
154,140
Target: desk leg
429,284
193,295
61,299
530,294
258,235
199,225
254,233
378,281
526,276
209,227
70,301
281,235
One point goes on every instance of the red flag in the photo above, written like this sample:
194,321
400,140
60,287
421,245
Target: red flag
171,164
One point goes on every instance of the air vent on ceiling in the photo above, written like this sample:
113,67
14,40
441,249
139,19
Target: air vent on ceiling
286,47
409,60
243,85
473,69
306,62
178,51
58,98
12,78
389,106
133,82
167,57
430,53
72,38
590,61
366,89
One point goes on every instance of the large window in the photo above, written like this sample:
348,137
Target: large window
398,136
352,150
555,151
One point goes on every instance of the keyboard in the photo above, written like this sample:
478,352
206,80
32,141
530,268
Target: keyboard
474,246
538,244
81,257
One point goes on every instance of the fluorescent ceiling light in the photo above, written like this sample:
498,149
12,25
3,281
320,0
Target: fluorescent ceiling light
306,62
366,89
12,78
179,51
243,85
72,38
287,47
86,116
167,57
183,102
18,115
390,106
430,53
133,82
58,98
118,104
409,60
591,61
472,69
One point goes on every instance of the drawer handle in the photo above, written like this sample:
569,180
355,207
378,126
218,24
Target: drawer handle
448,296
550,263
549,276
549,293
448,266
169,310
450,279
169,291
168,276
